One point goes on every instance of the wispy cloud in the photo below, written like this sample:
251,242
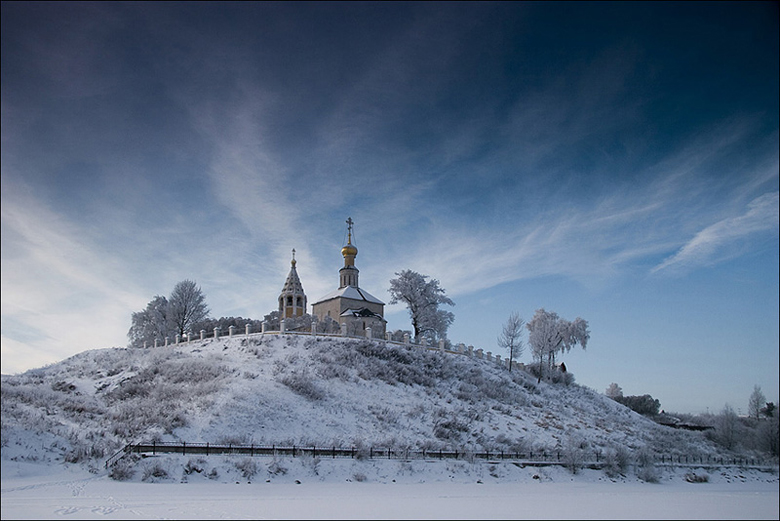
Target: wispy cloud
722,240
61,293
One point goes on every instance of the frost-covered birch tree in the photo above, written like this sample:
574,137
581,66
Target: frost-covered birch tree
549,334
423,298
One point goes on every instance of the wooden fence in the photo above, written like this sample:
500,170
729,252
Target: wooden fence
593,459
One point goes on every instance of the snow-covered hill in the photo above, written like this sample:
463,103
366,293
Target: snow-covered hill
312,391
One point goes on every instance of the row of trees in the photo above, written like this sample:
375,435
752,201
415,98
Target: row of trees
167,317
548,335
186,311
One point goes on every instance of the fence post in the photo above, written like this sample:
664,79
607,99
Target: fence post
202,334
264,326
368,332
189,336
344,329
166,341
313,327
216,333
178,338
231,330
248,328
282,326
155,342
406,338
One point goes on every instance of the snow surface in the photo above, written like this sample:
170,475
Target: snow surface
269,389
427,491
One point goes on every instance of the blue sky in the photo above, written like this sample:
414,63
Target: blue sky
612,161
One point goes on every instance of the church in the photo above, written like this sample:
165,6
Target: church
351,306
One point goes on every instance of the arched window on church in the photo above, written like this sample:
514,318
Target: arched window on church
289,300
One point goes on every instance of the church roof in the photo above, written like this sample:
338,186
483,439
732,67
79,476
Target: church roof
351,292
293,283
362,312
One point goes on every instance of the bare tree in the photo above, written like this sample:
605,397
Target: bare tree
511,337
756,402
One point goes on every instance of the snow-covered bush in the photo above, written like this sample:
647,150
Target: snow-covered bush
645,466
154,472
302,383
124,469
692,477
247,467
573,453
616,461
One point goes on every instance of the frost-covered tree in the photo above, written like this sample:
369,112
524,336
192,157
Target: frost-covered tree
614,391
165,318
186,306
149,324
756,402
549,334
423,298
511,337
727,428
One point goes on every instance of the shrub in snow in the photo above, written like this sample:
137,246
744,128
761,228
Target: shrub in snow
573,453
247,467
646,469
359,476
276,468
124,469
196,466
692,477
450,429
302,384
154,472
616,461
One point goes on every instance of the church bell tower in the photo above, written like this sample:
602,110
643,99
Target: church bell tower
292,300
348,275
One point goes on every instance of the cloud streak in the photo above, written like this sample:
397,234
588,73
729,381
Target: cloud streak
721,241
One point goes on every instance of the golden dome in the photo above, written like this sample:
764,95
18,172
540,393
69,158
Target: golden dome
349,249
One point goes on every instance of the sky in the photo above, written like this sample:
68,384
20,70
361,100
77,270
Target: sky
616,162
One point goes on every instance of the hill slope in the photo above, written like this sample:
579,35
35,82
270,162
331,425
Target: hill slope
310,391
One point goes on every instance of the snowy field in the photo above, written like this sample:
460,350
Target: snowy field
425,491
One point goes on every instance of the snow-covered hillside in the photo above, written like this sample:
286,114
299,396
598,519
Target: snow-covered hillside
312,391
